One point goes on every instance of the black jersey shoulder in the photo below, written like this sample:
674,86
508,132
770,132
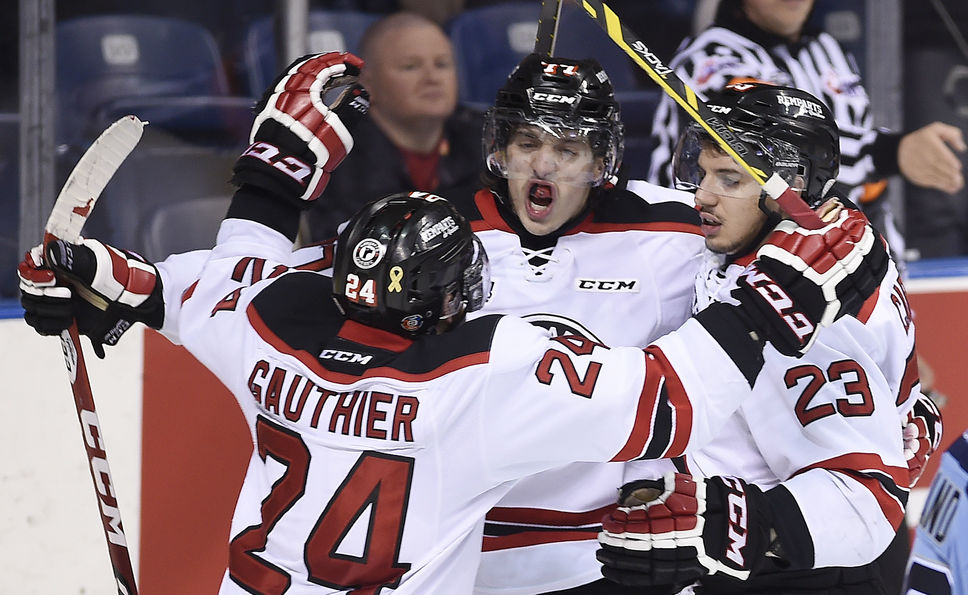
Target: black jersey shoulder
298,316
624,206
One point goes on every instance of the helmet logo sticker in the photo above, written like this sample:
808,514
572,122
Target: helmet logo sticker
368,253
809,108
396,275
444,227
555,68
554,98
412,322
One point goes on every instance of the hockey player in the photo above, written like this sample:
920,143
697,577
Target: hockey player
574,250
939,558
384,428
771,41
807,483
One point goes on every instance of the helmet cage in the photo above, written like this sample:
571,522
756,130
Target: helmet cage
500,124
562,97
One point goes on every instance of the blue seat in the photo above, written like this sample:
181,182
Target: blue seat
844,20
489,41
9,202
157,175
329,30
183,226
167,71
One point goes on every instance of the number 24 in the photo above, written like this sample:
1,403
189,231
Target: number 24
855,384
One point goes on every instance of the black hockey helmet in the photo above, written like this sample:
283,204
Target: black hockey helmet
406,261
558,95
794,130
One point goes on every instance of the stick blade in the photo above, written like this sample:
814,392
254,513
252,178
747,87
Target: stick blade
89,177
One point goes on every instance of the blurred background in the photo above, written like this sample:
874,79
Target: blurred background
194,69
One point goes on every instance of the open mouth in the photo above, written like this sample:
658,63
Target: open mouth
540,196
709,223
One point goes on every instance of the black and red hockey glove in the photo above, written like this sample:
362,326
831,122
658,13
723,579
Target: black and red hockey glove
297,140
922,436
674,530
803,279
61,282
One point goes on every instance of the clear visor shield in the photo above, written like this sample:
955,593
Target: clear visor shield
477,279
700,163
547,148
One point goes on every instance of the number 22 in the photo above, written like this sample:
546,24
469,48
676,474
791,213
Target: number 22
377,481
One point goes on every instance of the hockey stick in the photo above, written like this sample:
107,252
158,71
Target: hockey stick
544,42
758,167
71,209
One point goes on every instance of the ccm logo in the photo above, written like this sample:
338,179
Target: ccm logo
620,285
781,302
345,356
737,517
569,99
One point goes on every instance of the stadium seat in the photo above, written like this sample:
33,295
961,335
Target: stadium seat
156,176
489,41
183,226
9,202
845,21
166,71
329,30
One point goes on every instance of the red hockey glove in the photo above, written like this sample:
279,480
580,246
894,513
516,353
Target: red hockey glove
922,436
297,141
803,279
674,530
124,282
47,305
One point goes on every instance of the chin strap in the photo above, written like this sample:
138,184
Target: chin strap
772,219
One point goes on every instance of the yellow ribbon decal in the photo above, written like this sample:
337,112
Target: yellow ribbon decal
396,274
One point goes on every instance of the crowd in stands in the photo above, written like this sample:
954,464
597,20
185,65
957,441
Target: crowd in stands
431,140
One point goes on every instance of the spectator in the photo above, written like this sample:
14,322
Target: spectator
771,41
416,136
935,86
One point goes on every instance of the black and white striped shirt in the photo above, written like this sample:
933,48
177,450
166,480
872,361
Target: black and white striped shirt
816,64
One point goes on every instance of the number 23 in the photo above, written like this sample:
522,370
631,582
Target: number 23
854,382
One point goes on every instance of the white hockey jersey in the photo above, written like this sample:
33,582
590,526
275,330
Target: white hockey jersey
376,457
623,276
827,425
939,557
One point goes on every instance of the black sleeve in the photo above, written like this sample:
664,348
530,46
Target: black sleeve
256,204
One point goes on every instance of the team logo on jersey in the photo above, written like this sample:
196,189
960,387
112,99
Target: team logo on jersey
345,356
368,253
561,325
608,285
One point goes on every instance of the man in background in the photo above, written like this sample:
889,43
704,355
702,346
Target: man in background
416,137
